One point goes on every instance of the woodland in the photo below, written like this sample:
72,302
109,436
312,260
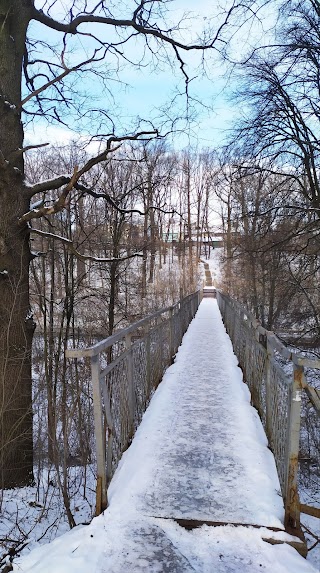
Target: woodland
101,231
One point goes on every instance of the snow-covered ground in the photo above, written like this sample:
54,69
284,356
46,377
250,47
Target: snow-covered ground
214,263
34,515
117,544
200,453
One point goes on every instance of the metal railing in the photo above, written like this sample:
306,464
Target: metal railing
126,368
276,379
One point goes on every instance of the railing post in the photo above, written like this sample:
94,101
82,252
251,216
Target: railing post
161,350
171,342
109,429
109,454
131,391
148,365
268,393
292,503
101,492
179,323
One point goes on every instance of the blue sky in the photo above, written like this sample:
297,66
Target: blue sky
143,92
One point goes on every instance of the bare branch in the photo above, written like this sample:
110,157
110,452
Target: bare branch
109,200
57,206
47,185
80,256
72,27
58,78
65,180
19,152
142,135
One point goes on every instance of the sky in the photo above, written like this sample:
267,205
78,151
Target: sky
142,92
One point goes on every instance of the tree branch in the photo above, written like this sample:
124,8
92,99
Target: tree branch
19,152
72,28
48,185
57,79
80,256
57,206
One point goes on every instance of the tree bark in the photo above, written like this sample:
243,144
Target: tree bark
17,326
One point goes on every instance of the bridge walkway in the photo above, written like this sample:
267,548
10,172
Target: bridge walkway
203,456
197,490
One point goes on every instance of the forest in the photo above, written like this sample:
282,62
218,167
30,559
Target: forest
102,230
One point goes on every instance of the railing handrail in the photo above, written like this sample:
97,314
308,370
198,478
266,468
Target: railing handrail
275,393
274,341
105,343
122,388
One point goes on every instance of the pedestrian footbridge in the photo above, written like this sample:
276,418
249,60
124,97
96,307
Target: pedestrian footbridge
192,484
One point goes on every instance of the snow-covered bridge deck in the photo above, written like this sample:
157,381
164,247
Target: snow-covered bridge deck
199,458
200,454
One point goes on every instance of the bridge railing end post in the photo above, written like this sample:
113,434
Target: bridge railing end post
101,491
292,502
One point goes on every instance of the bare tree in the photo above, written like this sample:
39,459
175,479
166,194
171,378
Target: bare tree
41,78
281,127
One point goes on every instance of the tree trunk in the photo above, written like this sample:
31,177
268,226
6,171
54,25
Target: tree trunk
112,298
17,326
189,224
152,246
144,258
228,245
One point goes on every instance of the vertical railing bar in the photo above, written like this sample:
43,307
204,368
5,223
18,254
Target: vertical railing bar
268,393
161,349
171,342
101,494
109,455
292,503
148,366
130,374
110,429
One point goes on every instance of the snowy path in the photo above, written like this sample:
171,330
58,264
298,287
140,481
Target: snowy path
200,456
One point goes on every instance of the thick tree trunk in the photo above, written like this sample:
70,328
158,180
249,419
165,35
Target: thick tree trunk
16,322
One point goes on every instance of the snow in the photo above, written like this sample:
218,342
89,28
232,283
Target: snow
136,544
216,468
41,182
10,105
311,525
199,454
35,515
36,205
214,263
